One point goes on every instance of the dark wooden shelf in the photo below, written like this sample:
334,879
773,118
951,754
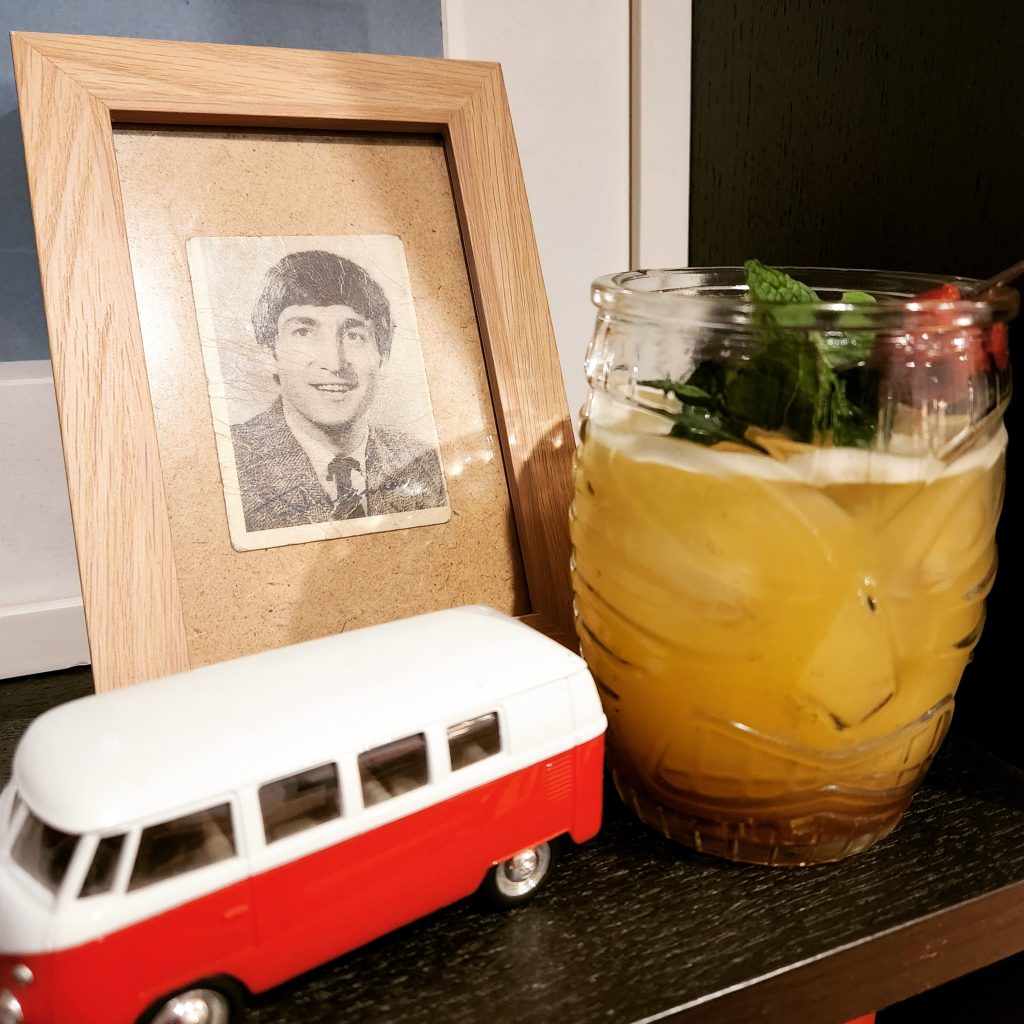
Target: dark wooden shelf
637,929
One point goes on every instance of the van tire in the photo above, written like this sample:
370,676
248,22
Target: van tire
518,880
224,997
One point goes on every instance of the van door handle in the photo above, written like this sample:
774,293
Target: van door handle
232,912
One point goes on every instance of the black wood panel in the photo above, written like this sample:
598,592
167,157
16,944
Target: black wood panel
636,927
854,133
874,133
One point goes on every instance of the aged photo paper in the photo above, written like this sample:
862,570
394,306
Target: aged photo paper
317,387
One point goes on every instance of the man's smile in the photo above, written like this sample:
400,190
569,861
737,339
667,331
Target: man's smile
337,387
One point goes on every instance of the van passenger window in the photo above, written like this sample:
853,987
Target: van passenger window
104,864
474,740
393,769
184,844
300,801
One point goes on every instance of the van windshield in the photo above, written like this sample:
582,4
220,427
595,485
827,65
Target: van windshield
43,852
11,794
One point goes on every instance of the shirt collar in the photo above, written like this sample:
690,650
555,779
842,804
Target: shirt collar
320,455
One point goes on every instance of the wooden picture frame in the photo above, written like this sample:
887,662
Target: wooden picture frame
73,93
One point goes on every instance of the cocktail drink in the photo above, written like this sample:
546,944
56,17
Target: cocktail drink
778,603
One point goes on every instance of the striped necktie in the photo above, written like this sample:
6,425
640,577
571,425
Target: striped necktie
349,503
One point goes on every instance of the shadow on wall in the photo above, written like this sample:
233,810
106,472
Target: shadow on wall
367,26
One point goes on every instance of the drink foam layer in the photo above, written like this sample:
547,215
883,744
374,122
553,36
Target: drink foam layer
628,432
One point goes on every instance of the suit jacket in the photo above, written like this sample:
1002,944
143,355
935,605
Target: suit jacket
280,488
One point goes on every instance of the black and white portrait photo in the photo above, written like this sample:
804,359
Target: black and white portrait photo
317,387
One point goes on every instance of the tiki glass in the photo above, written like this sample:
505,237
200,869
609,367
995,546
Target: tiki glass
783,534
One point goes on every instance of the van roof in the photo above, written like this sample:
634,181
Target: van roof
106,760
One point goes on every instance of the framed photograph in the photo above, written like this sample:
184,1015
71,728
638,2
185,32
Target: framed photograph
301,342
304,365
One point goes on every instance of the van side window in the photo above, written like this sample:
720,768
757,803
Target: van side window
184,844
301,801
473,740
393,769
104,864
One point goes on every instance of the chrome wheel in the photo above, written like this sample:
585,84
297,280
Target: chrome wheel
518,876
196,1006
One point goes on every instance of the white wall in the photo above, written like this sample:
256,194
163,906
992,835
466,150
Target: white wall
566,69
42,625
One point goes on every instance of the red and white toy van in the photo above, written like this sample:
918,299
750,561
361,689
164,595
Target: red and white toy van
166,847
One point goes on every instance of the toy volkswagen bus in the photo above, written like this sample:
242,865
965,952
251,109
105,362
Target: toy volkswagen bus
167,847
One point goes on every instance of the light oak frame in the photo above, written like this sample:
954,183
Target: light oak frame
72,91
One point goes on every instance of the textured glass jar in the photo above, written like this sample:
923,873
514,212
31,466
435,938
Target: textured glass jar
778,625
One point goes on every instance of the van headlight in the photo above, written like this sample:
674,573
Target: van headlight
10,1008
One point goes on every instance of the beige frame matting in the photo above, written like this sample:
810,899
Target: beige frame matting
76,94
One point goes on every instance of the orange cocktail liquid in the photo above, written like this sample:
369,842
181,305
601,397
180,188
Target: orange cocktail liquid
777,641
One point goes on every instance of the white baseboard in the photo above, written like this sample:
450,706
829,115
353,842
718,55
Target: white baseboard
42,637
42,625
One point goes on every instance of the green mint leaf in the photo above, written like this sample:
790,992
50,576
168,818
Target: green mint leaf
781,386
701,417
773,286
710,376
686,393
775,390
855,407
707,428
846,348
850,344
807,384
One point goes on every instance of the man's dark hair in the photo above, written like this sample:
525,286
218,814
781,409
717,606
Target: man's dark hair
319,278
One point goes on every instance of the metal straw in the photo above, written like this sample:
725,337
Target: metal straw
1002,278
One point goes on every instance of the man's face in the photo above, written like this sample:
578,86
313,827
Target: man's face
328,363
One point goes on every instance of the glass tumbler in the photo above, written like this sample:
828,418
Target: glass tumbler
783,538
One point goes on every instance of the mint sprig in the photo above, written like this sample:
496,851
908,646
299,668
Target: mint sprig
808,385
775,288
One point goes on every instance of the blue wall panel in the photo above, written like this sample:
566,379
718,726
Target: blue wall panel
369,26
